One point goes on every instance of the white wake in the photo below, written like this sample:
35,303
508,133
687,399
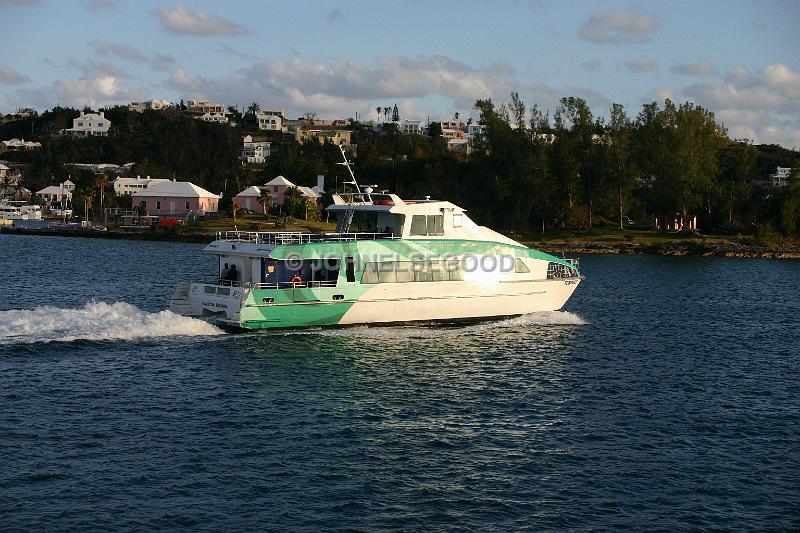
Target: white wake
96,321
439,330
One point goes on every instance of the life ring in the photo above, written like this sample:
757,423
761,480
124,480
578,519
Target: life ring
296,280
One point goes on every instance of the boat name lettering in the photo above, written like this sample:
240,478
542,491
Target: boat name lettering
214,304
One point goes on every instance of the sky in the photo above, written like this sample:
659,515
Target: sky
432,58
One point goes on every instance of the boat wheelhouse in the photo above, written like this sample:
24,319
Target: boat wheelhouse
390,260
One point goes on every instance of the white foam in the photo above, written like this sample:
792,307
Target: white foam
96,321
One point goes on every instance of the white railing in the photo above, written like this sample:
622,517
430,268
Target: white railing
213,281
296,237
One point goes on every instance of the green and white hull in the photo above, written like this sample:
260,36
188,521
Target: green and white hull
456,271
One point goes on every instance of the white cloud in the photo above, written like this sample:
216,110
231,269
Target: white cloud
592,64
9,76
619,27
640,65
100,91
763,106
346,87
157,60
698,68
188,22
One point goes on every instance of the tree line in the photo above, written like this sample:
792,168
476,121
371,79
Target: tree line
528,169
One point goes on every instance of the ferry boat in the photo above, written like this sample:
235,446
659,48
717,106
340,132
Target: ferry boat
389,261
16,210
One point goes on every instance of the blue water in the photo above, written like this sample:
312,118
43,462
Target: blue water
665,398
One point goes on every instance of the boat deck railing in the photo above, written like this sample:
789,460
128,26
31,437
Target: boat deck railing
296,237
215,285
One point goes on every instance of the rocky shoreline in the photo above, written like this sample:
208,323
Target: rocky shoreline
674,248
695,248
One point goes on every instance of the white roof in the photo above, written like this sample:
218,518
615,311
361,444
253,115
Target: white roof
68,182
280,180
51,189
250,191
308,191
179,189
3,167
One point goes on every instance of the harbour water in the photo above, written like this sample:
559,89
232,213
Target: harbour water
664,397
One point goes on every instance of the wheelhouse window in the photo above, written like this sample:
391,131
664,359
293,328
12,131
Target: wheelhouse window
520,267
427,225
412,271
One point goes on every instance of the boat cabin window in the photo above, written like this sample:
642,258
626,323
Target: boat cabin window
309,271
350,270
427,225
412,271
458,220
520,267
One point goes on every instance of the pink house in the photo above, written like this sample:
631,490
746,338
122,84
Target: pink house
277,189
177,198
248,199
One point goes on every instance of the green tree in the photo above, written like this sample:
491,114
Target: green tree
265,199
620,136
395,114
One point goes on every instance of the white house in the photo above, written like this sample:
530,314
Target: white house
254,150
780,178
90,124
140,107
269,121
123,185
411,127
458,145
204,106
19,145
219,118
55,193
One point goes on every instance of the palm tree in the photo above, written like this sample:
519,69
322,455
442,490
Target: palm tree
386,113
379,109
254,108
101,183
264,199
88,199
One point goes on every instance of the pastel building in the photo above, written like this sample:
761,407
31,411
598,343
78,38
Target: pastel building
123,185
277,189
255,150
248,199
90,124
176,198
146,105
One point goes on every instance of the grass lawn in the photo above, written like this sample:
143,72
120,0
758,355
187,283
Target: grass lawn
210,226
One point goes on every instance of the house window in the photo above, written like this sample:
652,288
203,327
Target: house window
80,124
275,188
158,204
187,206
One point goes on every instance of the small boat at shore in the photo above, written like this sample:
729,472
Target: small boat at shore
389,261
15,210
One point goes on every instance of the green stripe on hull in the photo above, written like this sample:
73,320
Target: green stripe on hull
298,307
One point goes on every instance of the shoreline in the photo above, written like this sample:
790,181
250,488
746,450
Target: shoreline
671,248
